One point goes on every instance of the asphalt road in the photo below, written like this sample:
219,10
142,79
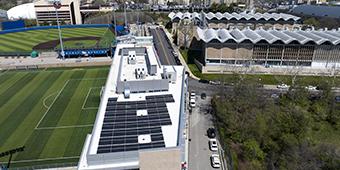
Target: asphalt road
163,47
200,121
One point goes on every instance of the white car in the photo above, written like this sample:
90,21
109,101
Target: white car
213,145
192,103
282,86
215,161
192,95
311,88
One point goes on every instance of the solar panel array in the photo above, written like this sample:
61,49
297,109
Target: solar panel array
122,126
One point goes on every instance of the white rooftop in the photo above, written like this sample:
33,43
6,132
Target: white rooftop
236,16
270,36
121,68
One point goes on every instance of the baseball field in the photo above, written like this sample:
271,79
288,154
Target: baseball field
50,112
27,41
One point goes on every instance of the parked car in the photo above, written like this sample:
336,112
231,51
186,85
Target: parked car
211,132
192,95
215,82
192,103
215,161
275,96
311,88
213,144
337,99
203,96
282,86
203,81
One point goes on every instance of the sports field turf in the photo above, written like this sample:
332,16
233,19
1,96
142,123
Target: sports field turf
25,41
50,112
77,44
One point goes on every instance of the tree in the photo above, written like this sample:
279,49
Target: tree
312,22
98,2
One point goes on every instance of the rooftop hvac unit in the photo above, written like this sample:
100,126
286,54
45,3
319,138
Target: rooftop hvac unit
132,57
140,73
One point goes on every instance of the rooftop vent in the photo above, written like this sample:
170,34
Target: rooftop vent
144,139
142,112
140,73
127,92
132,57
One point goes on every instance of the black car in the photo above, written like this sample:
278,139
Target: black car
211,132
337,99
203,96
203,81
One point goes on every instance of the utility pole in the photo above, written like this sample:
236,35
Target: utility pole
125,17
114,20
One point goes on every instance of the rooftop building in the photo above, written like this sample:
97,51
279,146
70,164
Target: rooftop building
68,13
235,16
141,114
180,22
319,49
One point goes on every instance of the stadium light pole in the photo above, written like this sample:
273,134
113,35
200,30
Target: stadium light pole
114,20
57,5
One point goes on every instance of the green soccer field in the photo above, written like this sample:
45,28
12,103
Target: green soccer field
25,41
50,112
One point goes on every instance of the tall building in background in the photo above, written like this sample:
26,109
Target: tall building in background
3,15
68,13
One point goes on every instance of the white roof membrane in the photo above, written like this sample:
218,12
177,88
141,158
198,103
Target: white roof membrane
237,16
270,36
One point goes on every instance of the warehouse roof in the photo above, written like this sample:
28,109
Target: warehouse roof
270,36
237,16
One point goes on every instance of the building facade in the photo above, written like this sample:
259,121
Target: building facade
68,13
310,49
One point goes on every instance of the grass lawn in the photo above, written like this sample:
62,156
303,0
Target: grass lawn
49,112
25,41
265,79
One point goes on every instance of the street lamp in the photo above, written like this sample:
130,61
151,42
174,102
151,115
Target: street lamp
57,5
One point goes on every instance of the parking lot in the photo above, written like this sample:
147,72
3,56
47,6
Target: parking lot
200,121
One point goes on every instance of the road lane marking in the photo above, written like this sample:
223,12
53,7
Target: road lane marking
160,41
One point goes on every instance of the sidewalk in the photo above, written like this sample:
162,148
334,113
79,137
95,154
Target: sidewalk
179,54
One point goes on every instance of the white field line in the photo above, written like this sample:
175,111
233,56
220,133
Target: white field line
64,127
51,104
45,159
44,101
48,108
88,93
100,78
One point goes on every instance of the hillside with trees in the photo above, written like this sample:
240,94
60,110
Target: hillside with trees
295,130
8,4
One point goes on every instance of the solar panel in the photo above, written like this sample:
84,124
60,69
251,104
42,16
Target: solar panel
122,126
